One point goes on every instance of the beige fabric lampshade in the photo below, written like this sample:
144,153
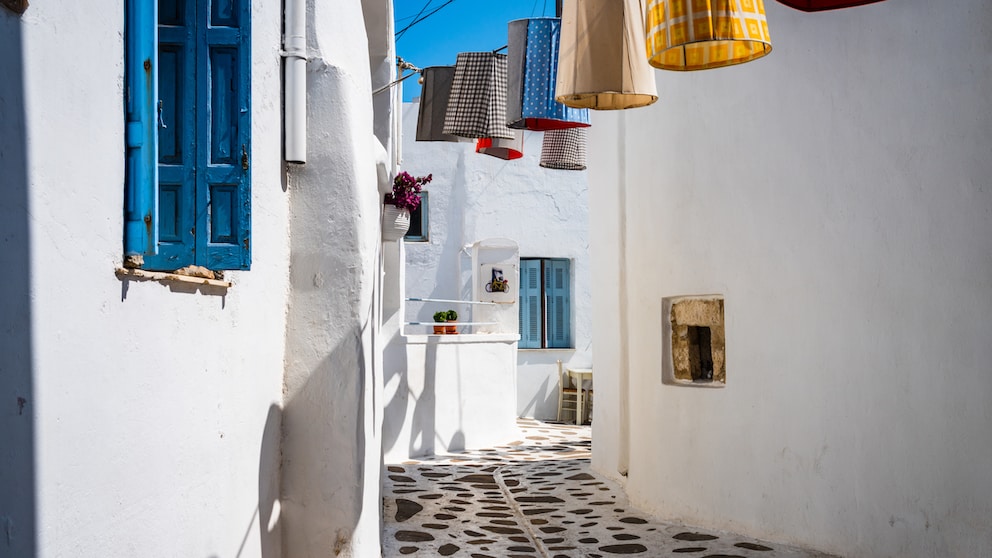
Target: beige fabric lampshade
601,62
700,34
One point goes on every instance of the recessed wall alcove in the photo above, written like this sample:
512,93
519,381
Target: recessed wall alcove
694,341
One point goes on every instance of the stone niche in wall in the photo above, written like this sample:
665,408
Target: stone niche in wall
694,341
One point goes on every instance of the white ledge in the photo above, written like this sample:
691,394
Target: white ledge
142,274
462,338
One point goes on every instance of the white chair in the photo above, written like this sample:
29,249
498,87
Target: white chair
568,397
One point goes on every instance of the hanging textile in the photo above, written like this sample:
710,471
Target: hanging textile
564,149
700,34
434,94
477,106
821,5
532,56
506,149
601,62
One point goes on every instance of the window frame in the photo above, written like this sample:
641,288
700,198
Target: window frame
548,306
421,215
210,191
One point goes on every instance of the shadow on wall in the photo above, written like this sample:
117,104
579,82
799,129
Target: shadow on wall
268,485
17,404
323,456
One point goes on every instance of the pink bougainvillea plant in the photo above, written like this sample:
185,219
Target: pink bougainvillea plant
405,190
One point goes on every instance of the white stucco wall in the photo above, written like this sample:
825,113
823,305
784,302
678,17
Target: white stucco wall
153,419
474,197
155,408
837,193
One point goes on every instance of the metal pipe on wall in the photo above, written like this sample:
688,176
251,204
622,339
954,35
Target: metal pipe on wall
295,81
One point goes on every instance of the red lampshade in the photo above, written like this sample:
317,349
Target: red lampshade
821,5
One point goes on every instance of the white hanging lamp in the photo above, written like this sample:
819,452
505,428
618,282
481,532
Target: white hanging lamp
506,149
601,62
700,34
532,56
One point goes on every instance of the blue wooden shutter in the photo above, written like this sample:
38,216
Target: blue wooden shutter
530,304
223,197
559,303
140,232
204,93
177,115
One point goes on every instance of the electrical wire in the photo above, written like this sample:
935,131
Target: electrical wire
425,6
416,21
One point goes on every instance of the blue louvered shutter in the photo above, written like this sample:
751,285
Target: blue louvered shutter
141,173
177,116
559,303
530,304
204,135
223,194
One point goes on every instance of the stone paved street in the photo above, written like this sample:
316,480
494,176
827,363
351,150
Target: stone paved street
535,497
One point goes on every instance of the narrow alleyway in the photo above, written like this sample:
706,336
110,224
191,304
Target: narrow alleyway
535,497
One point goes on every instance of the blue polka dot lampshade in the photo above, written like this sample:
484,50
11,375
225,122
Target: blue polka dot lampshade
532,52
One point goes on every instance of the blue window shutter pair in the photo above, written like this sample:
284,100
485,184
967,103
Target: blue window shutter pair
546,325
204,132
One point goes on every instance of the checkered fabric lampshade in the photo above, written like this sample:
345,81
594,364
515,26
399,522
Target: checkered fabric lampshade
477,106
700,34
532,55
434,94
564,149
506,149
601,62
821,5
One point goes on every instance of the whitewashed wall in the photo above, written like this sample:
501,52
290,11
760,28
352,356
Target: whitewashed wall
155,408
473,197
838,193
145,419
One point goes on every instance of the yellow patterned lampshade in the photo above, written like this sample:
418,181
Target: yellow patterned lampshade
601,63
700,34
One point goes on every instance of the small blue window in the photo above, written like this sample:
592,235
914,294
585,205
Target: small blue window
545,303
198,193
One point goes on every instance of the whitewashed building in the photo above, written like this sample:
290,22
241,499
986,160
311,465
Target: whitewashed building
147,416
837,194
475,197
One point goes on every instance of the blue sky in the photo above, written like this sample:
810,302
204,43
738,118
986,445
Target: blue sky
461,26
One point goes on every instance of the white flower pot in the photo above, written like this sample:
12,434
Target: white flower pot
395,222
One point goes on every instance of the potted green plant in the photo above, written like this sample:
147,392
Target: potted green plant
440,318
398,204
451,317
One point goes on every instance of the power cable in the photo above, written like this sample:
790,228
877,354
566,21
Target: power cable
416,21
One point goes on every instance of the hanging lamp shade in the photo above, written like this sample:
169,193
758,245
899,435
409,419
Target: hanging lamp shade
532,56
821,5
700,34
506,149
434,94
564,149
601,63
477,106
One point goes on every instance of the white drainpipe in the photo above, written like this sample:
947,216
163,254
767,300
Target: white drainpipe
295,52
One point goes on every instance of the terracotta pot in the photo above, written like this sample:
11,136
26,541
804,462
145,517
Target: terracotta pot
451,329
439,330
